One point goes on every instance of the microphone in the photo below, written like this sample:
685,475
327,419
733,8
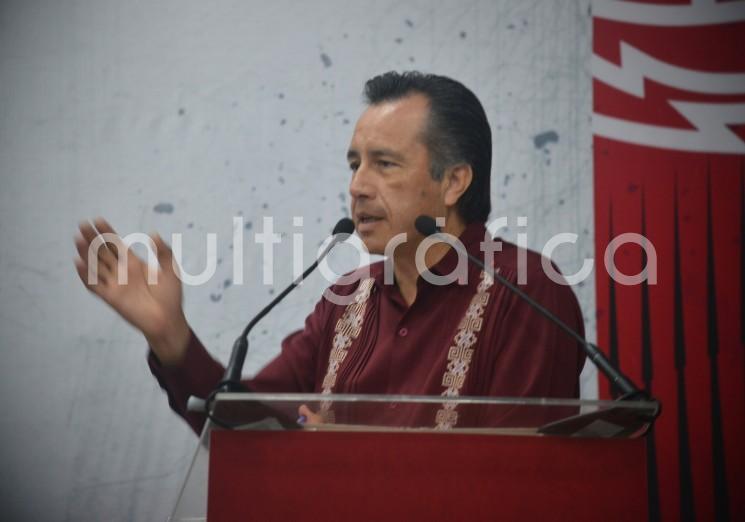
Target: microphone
232,377
427,226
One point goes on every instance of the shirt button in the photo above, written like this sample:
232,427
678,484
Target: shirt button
403,332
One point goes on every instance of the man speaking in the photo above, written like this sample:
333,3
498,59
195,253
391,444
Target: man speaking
421,147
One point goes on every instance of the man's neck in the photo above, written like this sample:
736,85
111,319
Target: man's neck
404,263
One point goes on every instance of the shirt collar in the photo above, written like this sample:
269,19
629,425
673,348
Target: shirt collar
471,238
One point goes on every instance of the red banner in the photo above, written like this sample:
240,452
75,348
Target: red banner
669,152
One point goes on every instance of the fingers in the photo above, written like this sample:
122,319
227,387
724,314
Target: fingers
99,268
101,237
93,239
93,281
103,226
164,252
98,246
113,241
308,417
88,232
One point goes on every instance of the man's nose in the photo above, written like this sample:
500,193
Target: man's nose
361,185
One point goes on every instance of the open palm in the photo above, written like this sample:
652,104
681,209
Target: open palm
113,272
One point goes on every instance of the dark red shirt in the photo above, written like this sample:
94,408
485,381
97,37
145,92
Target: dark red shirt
404,349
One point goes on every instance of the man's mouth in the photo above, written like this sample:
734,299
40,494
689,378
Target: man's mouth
365,222
366,219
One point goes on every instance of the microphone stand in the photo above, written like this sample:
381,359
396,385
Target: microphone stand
231,379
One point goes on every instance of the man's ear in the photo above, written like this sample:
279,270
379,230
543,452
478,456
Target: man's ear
456,182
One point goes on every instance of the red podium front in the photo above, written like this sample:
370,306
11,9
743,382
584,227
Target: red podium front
375,458
258,475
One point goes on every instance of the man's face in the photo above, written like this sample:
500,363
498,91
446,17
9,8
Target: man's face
391,183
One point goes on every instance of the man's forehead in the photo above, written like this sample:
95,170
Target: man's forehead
400,121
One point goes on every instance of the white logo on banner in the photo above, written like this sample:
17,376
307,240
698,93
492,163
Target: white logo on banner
710,120
699,12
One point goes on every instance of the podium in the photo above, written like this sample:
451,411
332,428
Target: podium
386,457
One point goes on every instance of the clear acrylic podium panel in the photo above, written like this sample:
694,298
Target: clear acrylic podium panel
408,413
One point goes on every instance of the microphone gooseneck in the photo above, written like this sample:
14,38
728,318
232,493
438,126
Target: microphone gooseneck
427,226
231,380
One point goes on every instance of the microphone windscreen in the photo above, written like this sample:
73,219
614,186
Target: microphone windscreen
344,226
426,225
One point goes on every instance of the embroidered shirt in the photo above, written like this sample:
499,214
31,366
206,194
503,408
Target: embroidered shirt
403,349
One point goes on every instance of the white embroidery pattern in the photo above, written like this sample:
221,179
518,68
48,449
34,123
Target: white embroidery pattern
347,329
460,353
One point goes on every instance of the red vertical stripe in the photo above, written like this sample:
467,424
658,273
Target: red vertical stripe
692,212
727,174
604,172
659,189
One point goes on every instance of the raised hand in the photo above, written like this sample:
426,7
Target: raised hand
121,280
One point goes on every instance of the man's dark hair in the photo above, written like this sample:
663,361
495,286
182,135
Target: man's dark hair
457,131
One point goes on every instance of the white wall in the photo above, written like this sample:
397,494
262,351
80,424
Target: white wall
123,109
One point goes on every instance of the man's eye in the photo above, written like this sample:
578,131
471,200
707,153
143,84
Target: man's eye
386,164
353,167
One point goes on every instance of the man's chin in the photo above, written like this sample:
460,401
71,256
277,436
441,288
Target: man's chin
373,246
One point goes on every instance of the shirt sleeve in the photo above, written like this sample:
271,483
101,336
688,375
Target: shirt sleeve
293,370
196,375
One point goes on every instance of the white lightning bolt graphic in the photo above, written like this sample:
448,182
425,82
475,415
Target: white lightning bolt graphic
700,12
636,66
710,119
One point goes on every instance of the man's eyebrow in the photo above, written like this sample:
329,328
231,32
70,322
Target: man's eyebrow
353,154
377,153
